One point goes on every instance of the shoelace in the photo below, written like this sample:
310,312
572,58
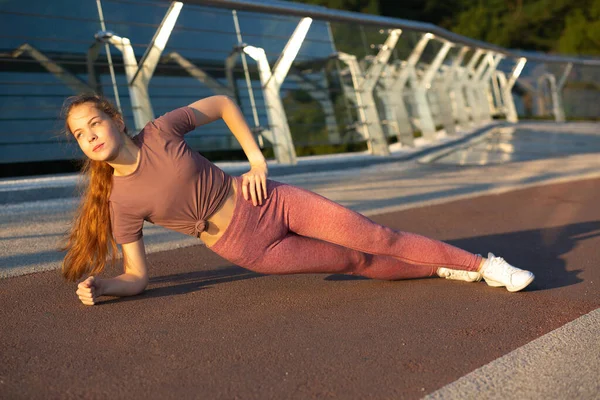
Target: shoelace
502,266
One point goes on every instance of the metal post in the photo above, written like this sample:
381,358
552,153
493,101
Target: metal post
151,57
140,101
454,84
230,63
364,87
559,111
554,95
378,143
498,101
423,107
474,88
389,122
396,107
138,77
541,95
408,69
354,94
469,78
404,74
509,102
484,87
271,81
446,98
461,99
563,78
109,59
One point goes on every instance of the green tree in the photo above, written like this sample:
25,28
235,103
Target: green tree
362,6
565,26
582,31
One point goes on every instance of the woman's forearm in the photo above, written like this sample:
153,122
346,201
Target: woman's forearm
235,121
122,285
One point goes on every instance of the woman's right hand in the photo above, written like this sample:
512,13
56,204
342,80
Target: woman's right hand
88,291
254,183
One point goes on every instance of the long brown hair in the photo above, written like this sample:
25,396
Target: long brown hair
90,243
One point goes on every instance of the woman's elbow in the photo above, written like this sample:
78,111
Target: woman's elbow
142,284
226,103
224,98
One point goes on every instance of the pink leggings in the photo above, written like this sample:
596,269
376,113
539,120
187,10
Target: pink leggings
298,231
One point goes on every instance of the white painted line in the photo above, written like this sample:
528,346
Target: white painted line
563,364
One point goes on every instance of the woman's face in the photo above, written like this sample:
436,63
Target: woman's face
99,136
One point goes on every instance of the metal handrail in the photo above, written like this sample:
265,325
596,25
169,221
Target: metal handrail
324,13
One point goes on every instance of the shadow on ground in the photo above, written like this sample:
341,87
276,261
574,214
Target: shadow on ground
539,250
171,285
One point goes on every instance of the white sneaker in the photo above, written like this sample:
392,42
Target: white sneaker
459,275
497,273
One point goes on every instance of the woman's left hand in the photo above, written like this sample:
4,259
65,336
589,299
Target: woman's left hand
254,183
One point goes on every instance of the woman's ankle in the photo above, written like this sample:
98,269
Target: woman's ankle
483,260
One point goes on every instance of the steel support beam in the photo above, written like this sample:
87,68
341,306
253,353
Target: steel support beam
408,72
475,85
484,87
364,85
509,102
498,100
391,124
199,74
447,96
473,89
271,81
502,81
138,76
153,52
423,108
454,83
355,96
469,77
138,94
557,98
551,79
76,84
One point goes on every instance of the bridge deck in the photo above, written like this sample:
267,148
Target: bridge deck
206,326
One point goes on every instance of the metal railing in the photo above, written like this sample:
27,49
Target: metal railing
303,75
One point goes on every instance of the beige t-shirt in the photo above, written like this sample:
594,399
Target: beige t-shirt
173,186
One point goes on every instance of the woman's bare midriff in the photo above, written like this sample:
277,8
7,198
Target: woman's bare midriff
220,220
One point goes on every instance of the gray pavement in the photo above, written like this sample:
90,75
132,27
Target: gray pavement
563,364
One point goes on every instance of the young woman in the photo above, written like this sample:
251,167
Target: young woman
256,223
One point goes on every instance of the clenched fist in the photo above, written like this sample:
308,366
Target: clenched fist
88,291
